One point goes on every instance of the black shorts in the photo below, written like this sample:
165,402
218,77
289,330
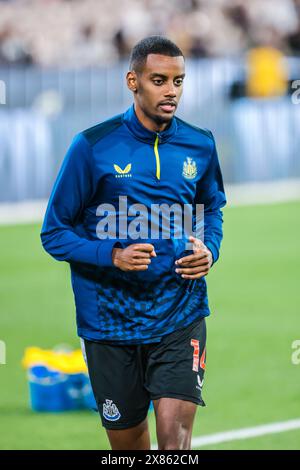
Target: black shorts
125,378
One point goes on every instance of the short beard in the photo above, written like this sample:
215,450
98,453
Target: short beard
157,119
161,120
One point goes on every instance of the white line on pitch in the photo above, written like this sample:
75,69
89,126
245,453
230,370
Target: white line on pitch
245,433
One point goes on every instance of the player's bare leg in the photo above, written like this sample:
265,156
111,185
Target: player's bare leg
136,438
174,423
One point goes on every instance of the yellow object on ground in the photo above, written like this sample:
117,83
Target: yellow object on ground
66,362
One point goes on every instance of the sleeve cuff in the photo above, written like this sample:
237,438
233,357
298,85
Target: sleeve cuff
105,252
213,250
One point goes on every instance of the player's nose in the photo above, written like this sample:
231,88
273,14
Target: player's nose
171,91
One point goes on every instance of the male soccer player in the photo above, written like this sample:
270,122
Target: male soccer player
141,302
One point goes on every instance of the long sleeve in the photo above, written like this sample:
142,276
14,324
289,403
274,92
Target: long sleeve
210,192
71,192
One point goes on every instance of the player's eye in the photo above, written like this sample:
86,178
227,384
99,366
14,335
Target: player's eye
158,81
178,81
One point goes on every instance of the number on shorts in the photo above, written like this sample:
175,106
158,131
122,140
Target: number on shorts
202,359
195,345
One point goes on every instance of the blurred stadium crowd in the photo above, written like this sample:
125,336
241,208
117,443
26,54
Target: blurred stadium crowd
94,32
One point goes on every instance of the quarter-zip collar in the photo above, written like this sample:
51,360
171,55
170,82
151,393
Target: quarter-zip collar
142,133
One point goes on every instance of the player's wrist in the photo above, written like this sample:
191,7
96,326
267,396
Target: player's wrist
115,255
210,257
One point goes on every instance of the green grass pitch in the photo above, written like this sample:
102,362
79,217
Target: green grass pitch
254,297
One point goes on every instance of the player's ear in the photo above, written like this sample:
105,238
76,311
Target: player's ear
131,79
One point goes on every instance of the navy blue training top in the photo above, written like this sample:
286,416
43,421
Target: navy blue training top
120,158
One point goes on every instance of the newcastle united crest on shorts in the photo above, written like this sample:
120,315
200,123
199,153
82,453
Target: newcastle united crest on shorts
110,411
189,168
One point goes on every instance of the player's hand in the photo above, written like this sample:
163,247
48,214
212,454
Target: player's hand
196,265
135,257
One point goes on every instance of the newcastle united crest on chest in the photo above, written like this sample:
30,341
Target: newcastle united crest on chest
189,168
